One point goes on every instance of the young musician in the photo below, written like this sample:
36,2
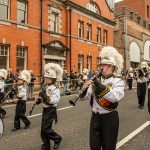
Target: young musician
104,97
3,76
141,84
22,87
50,95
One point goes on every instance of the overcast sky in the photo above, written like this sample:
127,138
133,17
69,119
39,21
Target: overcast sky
117,0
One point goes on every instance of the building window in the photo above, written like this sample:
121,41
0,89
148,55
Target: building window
105,37
54,22
21,57
147,11
93,7
149,51
80,29
144,23
99,35
89,32
4,56
4,9
131,15
89,62
98,62
138,20
80,63
21,12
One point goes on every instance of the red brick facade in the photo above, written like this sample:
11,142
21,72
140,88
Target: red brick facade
140,6
28,35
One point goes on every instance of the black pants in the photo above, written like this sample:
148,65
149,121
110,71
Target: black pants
141,92
104,131
20,114
47,133
149,100
130,84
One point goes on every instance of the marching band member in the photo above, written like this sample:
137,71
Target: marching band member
23,80
50,95
3,76
148,92
104,97
141,84
130,78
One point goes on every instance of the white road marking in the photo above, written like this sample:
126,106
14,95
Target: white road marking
57,110
131,135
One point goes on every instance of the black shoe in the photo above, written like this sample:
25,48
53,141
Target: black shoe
14,129
27,126
56,144
141,107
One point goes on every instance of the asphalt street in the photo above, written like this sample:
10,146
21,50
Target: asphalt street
73,125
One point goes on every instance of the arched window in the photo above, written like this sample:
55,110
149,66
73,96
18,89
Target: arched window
147,50
93,7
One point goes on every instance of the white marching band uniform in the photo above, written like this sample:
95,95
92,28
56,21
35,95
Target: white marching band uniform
53,96
115,94
104,95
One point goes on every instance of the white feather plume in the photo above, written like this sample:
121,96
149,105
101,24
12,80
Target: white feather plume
4,73
27,74
55,67
85,70
112,52
130,69
144,64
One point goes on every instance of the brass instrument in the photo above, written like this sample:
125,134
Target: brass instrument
83,91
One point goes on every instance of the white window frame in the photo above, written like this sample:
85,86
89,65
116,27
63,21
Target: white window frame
55,22
23,54
80,63
89,32
89,62
5,55
7,4
105,36
98,35
80,29
19,8
93,7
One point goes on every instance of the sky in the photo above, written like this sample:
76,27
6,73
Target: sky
117,0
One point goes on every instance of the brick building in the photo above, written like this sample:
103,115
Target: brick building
68,32
132,32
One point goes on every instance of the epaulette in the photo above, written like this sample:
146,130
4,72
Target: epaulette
56,85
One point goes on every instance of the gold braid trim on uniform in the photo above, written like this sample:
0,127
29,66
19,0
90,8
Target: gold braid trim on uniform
105,91
99,101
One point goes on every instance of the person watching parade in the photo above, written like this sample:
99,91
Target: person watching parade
105,93
50,97
22,92
3,76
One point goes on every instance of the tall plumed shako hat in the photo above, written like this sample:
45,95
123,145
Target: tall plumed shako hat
85,70
130,69
3,73
25,76
53,70
144,64
109,55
